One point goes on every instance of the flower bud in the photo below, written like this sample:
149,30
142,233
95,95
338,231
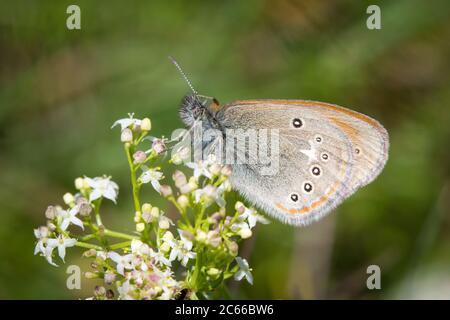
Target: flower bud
193,183
86,184
146,124
165,247
216,217
240,208
90,275
154,212
213,272
85,209
214,238
187,234
176,159
126,135
215,169
50,213
164,223
182,154
99,291
68,198
90,253
179,178
147,217
245,233
109,278
51,226
233,248
186,188
109,294
158,146
79,183
139,157
210,191
101,256
140,227
167,236
227,220
166,191
146,208
226,170
201,236
137,216
183,201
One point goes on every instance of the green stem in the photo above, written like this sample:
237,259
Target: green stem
120,245
182,212
89,237
143,134
88,245
199,217
98,218
119,235
134,184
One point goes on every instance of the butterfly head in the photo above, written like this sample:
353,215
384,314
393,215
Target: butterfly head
191,109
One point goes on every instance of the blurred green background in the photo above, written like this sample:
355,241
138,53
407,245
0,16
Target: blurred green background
60,91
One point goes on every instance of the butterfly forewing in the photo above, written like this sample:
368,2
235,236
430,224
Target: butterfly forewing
325,153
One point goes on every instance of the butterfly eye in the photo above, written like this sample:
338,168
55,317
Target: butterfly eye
357,151
294,197
297,123
307,187
318,139
316,171
324,156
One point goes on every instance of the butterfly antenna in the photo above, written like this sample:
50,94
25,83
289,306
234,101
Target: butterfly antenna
183,74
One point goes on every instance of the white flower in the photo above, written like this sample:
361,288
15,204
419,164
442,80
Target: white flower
253,217
124,291
127,122
167,283
153,176
140,248
126,135
103,187
123,262
164,222
47,253
208,193
160,258
158,146
102,255
69,216
200,169
41,234
42,245
181,250
244,271
181,155
61,243
224,187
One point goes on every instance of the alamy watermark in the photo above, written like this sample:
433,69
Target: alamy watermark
374,279
374,20
73,21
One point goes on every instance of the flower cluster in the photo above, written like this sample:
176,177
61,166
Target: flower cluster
189,256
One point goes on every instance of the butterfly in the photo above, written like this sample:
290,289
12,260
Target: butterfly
325,152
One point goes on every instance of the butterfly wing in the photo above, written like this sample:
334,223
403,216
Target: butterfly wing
325,153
